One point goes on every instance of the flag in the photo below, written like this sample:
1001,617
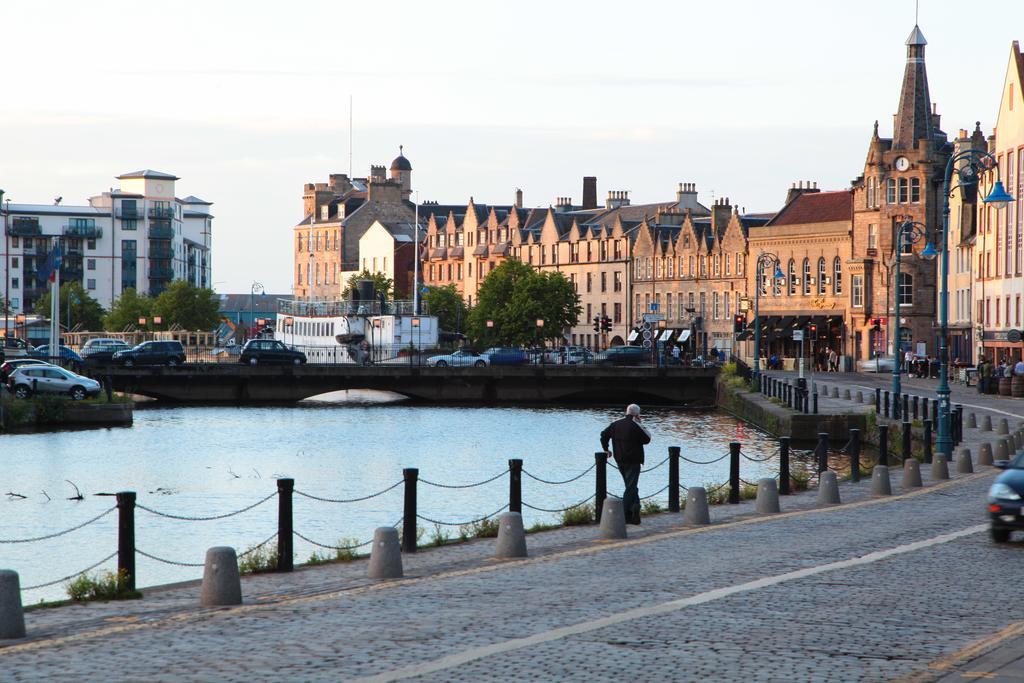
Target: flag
47,271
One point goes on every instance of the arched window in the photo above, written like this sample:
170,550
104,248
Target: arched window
822,274
906,289
807,276
837,276
792,277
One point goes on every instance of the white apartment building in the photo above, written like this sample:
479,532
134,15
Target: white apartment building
140,236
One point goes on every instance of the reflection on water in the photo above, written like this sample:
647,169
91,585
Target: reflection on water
211,460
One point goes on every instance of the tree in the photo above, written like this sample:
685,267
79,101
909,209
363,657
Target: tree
127,310
448,305
381,283
188,307
515,296
76,307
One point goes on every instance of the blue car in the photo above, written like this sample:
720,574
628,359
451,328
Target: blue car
65,353
504,355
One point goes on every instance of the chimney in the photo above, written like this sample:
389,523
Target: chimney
721,212
563,204
617,198
384,191
589,192
519,198
686,196
376,173
801,187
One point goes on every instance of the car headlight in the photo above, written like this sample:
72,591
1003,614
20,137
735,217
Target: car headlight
1002,492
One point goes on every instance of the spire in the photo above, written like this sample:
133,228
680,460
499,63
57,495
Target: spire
914,115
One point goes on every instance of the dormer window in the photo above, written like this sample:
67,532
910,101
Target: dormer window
325,212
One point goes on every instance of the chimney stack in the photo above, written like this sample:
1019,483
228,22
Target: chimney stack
686,196
563,204
801,187
589,192
617,198
721,212
519,198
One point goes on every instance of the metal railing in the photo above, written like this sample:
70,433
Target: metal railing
83,231
161,232
340,308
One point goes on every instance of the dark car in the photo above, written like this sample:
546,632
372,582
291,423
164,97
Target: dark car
624,355
9,366
505,355
102,350
1006,499
151,353
269,352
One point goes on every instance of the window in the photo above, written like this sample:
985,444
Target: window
690,272
14,262
669,263
716,307
617,281
776,283
617,313
727,269
718,269
890,191
739,263
91,245
15,283
668,306
90,283
590,279
822,274
792,277
915,190
299,245
857,291
726,301
639,269
703,266
906,289
90,264
807,276
658,271
298,273
872,236
837,276
904,190
604,281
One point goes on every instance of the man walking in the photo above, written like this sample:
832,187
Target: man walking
628,437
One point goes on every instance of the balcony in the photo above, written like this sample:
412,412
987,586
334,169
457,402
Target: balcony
131,214
71,271
90,232
24,227
161,271
161,212
160,250
161,232
73,250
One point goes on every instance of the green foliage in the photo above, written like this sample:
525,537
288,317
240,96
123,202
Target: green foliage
439,536
485,528
381,284
75,298
189,307
650,507
578,515
799,476
419,535
748,491
258,560
717,495
448,305
343,553
106,586
127,310
514,296
541,526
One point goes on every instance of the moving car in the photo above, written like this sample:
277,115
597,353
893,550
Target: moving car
12,347
102,350
50,379
8,366
151,353
461,358
505,355
1006,500
624,355
269,352
880,364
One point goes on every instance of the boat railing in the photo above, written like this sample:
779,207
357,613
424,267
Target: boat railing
339,308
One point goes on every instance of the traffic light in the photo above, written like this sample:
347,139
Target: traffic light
739,321
597,323
812,331
876,324
606,324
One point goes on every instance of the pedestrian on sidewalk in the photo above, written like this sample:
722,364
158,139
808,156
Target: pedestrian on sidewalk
627,437
984,375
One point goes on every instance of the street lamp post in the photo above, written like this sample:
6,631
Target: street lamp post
968,166
252,308
908,233
764,260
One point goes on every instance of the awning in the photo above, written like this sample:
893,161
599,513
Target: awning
684,336
666,335
633,335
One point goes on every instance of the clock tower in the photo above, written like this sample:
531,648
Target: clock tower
902,181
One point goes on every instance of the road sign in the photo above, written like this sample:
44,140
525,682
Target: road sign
654,307
798,335
653,317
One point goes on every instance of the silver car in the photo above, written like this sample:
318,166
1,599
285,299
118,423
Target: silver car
879,364
50,379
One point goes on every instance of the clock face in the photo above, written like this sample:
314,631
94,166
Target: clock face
902,164
160,188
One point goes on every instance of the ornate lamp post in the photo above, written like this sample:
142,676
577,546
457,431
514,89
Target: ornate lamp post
968,165
908,233
256,287
764,260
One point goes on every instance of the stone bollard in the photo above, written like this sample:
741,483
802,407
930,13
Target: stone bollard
986,423
940,470
1004,427
985,454
12,616
911,474
696,511
835,392
221,583
1002,451
767,496
828,488
972,421
860,397
846,394
613,519
385,554
511,536
880,485
963,461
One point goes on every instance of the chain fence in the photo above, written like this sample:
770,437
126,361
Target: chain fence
472,521
559,510
350,500
189,518
565,481
463,486
59,533
70,576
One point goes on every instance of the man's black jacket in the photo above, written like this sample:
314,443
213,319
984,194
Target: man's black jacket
628,439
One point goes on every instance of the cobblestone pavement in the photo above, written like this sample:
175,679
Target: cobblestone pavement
871,590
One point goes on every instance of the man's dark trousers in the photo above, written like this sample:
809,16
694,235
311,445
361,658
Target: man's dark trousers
631,497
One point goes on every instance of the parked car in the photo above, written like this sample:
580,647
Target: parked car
8,366
50,379
12,347
461,358
575,355
102,350
504,355
1005,498
151,353
269,352
66,354
624,355
880,364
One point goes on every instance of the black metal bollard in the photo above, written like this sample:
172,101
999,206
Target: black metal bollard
600,483
895,406
815,408
821,450
784,488
914,407
411,476
515,485
885,404
734,472
905,446
878,400
126,540
927,441
906,406
673,478
285,528
883,445
855,454
935,411
959,423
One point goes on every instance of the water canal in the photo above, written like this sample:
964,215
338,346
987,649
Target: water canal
204,461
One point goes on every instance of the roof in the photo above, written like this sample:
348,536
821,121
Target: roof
401,163
916,37
258,302
816,207
192,199
148,173
56,210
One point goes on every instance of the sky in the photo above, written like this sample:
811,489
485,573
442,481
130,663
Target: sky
247,101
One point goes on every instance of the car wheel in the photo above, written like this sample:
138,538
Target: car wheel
253,361
480,364
22,391
1000,535
77,393
129,362
297,361
441,364
172,362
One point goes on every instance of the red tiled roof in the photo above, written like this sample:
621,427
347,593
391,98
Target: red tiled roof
816,207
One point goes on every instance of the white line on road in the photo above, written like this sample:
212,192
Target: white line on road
477,653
